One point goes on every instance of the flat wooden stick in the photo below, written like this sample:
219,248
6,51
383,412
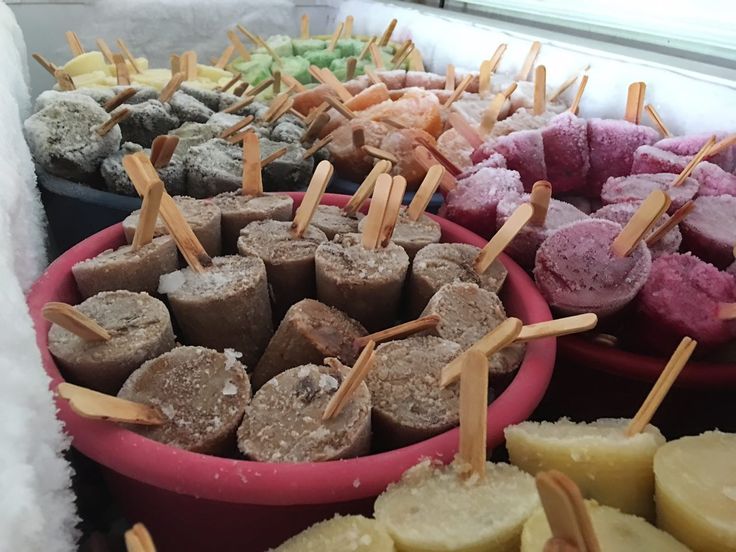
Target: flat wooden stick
371,233
317,186
641,222
376,57
540,90
334,83
304,27
65,80
237,106
348,28
274,156
424,194
260,87
138,539
357,374
229,84
291,82
315,127
74,43
162,150
149,215
118,99
484,78
366,48
225,56
121,70
74,321
252,180
559,545
673,221
539,200
400,331
437,154
634,102
350,67
559,327
393,207
560,90
450,77
366,187
275,107
664,382
680,180
46,64
106,51
378,153
727,142
726,311
400,51
237,127
575,105
386,36
474,412
115,118
502,335
491,113
237,137
172,86
234,39
458,91
425,158
654,116
126,52
318,145
496,57
529,61
375,79
390,122
501,239
98,406
335,37
249,35
175,63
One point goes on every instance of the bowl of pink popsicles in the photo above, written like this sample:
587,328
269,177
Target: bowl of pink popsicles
217,503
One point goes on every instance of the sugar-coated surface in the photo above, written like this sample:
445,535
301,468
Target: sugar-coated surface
195,134
272,241
437,508
341,534
456,148
652,160
681,296
402,143
484,158
524,153
189,109
239,210
713,180
709,230
146,121
577,272
117,180
413,235
284,421
638,186
332,221
214,167
691,144
566,153
349,161
350,259
522,119
201,393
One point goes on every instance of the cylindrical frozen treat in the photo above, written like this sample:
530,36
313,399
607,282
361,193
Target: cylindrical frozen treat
607,464
140,328
238,210
566,153
202,394
691,144
117,180
188,108
444,263
289,260
414,235
127,269
577,271
202,215
341,533
289,172
637,187
309,333
408,403
523,152
614,531
333,221
224,307
364,283
208,97
437,507
284,421
146,121
709,231
213,167
695,482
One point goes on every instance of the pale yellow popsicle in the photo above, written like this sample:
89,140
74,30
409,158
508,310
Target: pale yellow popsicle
85,63
607,465
434,508
341,534
616,532
696,490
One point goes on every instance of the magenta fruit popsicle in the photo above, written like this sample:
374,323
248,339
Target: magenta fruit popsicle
652,160
691,144
635,188
709,231
713,180
524,153
566,153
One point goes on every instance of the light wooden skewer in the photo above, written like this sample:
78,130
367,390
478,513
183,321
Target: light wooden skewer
474,412
673,221
375,79
376,57
74,321
234,39
529,61
252,182
348,28
664,382
484,78
391,213
260,87
106,51
635,101
371,233
334,83
559,545
237,106
304,27
567,84
98,406
557,328
121,70
74,43
119,99
366,48
539,200
189,64
399,331
126,52
115,118
340,107
386,37
464,129
654,116
225,56
315,127
575,105
441,159
317,187
162,150
172,86
148,215
366,187
458,91
450,77
726,311
641,222
274,156
409,51
138,539
495,340
46,64
354,378
404,46
291,82
540,89
378,153
727,142
237,127
513,225
425,158
276,106
175,63
416,63
490,115
65,80
350,67
497,55
319,144
335,37
424,194
690,167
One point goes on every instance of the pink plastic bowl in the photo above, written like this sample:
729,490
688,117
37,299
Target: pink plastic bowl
195,502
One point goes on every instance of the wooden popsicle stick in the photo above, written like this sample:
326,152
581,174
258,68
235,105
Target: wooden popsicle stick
148,215
393,207
335,37
126,52
560,90
350,67
318,145
237,106
162,150
416,63
726,311
390,122
378,153
491,114
654,116
529,61
175,64
98,406
376,57
370,237
237,127
340,107
249,35
121,70
540,90
291,82
647,214
237,137
375,79
424,194
664,382
275,106
673,221
106,51
355,377
539,200
474,412
690,167
274,156
74,43
484,79
496,57
172,86
65,80
304,26
260,87
559,327
500,240
225,56
458,91
366,187
234,39
502,335
334,83
634,102
115,118
252,181
400,51
229,84
400,331
402,58
724,144
315,127
74,321
189,62
358,137
386,36
46,64
425,158
348,28
317,187
138,539
450,77
118,99
316,73
441,159
575,105
366,48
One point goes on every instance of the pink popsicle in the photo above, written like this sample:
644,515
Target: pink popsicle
714,180
691,144
524,153
652,160
566,153
709,231
637,187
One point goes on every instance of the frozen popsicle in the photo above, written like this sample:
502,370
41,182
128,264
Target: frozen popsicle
566,153
694,490
187,108
350,160
138,328
652,160
522,119
709,231
356,533
456,148
172,174
202,394
401,144
524,152
713,180
635,188
146,121
691,144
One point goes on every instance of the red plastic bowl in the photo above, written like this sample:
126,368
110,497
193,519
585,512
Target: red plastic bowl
196,502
